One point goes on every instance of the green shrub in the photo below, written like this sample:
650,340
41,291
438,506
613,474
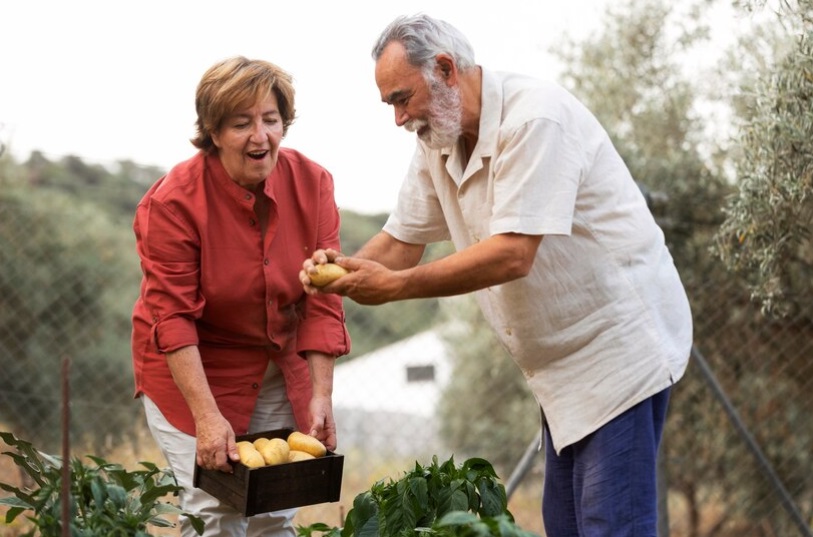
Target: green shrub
105,498
438,500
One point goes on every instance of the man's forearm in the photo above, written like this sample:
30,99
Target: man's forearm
385,249
495,261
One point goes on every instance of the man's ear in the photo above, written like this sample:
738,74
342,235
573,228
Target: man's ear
446,68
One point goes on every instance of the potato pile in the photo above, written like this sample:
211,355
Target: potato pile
272,451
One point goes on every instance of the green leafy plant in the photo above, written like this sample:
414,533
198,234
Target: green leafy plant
438,500
105,498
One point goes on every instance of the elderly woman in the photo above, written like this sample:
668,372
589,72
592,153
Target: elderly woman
225,341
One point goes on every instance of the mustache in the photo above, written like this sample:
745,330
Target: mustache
414,125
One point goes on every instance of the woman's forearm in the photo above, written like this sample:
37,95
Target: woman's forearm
187,371
321,367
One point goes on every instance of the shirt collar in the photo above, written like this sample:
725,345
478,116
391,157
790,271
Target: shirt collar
221,176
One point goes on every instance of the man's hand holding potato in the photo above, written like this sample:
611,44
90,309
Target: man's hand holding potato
398,275
365,282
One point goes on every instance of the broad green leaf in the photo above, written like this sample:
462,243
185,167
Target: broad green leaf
493,500
152,494
99,492
456,518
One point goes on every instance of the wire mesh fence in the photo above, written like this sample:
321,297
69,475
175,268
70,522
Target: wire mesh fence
425,378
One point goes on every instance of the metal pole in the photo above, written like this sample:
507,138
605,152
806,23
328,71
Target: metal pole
523,466
762,460
66,448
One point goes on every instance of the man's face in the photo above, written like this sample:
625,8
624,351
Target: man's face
442,127
432,109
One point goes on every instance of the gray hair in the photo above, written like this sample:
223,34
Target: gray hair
424,38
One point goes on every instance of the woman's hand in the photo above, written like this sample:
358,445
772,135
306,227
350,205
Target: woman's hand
319,257
323,426
216,444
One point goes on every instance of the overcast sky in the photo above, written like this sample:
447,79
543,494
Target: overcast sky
108,81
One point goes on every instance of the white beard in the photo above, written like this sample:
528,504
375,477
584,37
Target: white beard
445,114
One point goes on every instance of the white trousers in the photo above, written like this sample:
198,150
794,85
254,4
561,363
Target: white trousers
273,411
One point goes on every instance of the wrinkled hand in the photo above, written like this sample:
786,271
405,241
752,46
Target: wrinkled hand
323,426
215,443
368,283
319,257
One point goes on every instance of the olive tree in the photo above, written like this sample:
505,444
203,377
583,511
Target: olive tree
766,232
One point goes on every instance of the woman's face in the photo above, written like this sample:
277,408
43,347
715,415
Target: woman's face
248,142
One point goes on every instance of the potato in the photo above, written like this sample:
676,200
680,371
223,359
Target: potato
275,451
296,456
326,273
249,454
259,443
298,441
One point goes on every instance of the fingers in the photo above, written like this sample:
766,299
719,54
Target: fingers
330,441
216,460
216,446
222,462
326,436
231,449
323,425
319,257
322,256
350,263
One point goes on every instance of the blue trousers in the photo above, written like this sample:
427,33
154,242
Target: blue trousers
605,485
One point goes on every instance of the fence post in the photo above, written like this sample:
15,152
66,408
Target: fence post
66,447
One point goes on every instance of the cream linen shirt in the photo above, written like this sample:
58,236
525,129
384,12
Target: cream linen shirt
602,321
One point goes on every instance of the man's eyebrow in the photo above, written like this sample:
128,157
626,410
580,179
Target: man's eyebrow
396,95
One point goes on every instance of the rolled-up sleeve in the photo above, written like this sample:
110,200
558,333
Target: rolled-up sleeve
323,329
323,326
170,256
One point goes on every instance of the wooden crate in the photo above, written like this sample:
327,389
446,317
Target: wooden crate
271,488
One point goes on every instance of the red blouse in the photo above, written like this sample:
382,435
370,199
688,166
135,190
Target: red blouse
211,280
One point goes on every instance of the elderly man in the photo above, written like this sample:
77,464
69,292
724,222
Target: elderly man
566,261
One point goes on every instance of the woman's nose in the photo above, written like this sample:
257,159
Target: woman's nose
258,131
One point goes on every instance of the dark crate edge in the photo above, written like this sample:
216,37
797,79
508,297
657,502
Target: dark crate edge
235,490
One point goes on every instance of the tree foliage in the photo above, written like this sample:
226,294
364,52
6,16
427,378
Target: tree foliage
65,266
766,233
630,73
633,76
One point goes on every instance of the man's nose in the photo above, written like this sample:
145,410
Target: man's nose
401,116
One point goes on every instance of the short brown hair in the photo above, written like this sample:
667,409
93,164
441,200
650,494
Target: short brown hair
233,83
